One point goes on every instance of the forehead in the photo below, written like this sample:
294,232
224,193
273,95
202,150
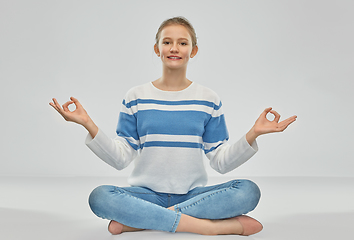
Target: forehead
175,31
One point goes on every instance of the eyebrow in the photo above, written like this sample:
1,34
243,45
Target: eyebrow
177,39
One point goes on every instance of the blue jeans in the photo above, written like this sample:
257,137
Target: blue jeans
143,208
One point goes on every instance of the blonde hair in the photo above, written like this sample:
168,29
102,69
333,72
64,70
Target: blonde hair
177,21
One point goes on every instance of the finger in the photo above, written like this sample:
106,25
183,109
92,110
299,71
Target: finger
56,105
76,102
281,129
266,111
284,124
292,118
276,116
52,104
66,106
58,108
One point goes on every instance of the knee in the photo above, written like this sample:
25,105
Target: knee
98,197
249,192
251,189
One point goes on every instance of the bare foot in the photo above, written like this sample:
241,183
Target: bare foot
240,225
249,225
117,228
226,226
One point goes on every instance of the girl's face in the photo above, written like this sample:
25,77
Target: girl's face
175,47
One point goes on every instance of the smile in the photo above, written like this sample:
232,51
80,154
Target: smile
174,57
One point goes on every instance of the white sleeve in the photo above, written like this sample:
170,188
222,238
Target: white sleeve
227,157
116,152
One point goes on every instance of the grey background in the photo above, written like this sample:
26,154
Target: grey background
296,56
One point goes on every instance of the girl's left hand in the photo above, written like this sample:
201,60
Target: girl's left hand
264,126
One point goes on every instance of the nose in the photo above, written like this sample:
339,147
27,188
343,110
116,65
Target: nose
174,48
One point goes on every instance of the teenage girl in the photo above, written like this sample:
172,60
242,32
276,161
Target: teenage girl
166,126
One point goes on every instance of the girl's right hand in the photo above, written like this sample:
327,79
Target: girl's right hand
79,115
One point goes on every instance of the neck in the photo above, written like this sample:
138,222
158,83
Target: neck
172,80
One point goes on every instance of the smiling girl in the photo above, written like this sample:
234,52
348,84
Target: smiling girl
166,126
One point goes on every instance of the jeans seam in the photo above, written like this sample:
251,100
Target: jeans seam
176,208
174,227
155,193
202,191
236,181
128,195
194,203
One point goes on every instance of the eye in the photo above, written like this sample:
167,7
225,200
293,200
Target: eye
184,44
166,42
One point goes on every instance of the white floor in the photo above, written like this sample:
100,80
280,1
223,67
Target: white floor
33,208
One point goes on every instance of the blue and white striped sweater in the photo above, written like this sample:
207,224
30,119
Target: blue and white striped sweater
167,133
147,122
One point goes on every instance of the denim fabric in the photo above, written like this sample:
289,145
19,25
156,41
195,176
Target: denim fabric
141,207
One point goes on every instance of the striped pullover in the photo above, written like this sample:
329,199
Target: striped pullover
167,133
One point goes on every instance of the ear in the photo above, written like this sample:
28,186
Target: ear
157,51
194,51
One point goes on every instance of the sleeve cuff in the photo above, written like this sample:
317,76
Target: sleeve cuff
254,145
99,140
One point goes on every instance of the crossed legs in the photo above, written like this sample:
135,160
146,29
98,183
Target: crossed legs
204,211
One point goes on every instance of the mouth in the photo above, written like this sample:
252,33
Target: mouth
174,57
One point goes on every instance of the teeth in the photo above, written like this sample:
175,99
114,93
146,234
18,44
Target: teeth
174,57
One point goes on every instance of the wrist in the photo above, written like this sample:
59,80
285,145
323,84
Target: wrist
91,127
251,136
